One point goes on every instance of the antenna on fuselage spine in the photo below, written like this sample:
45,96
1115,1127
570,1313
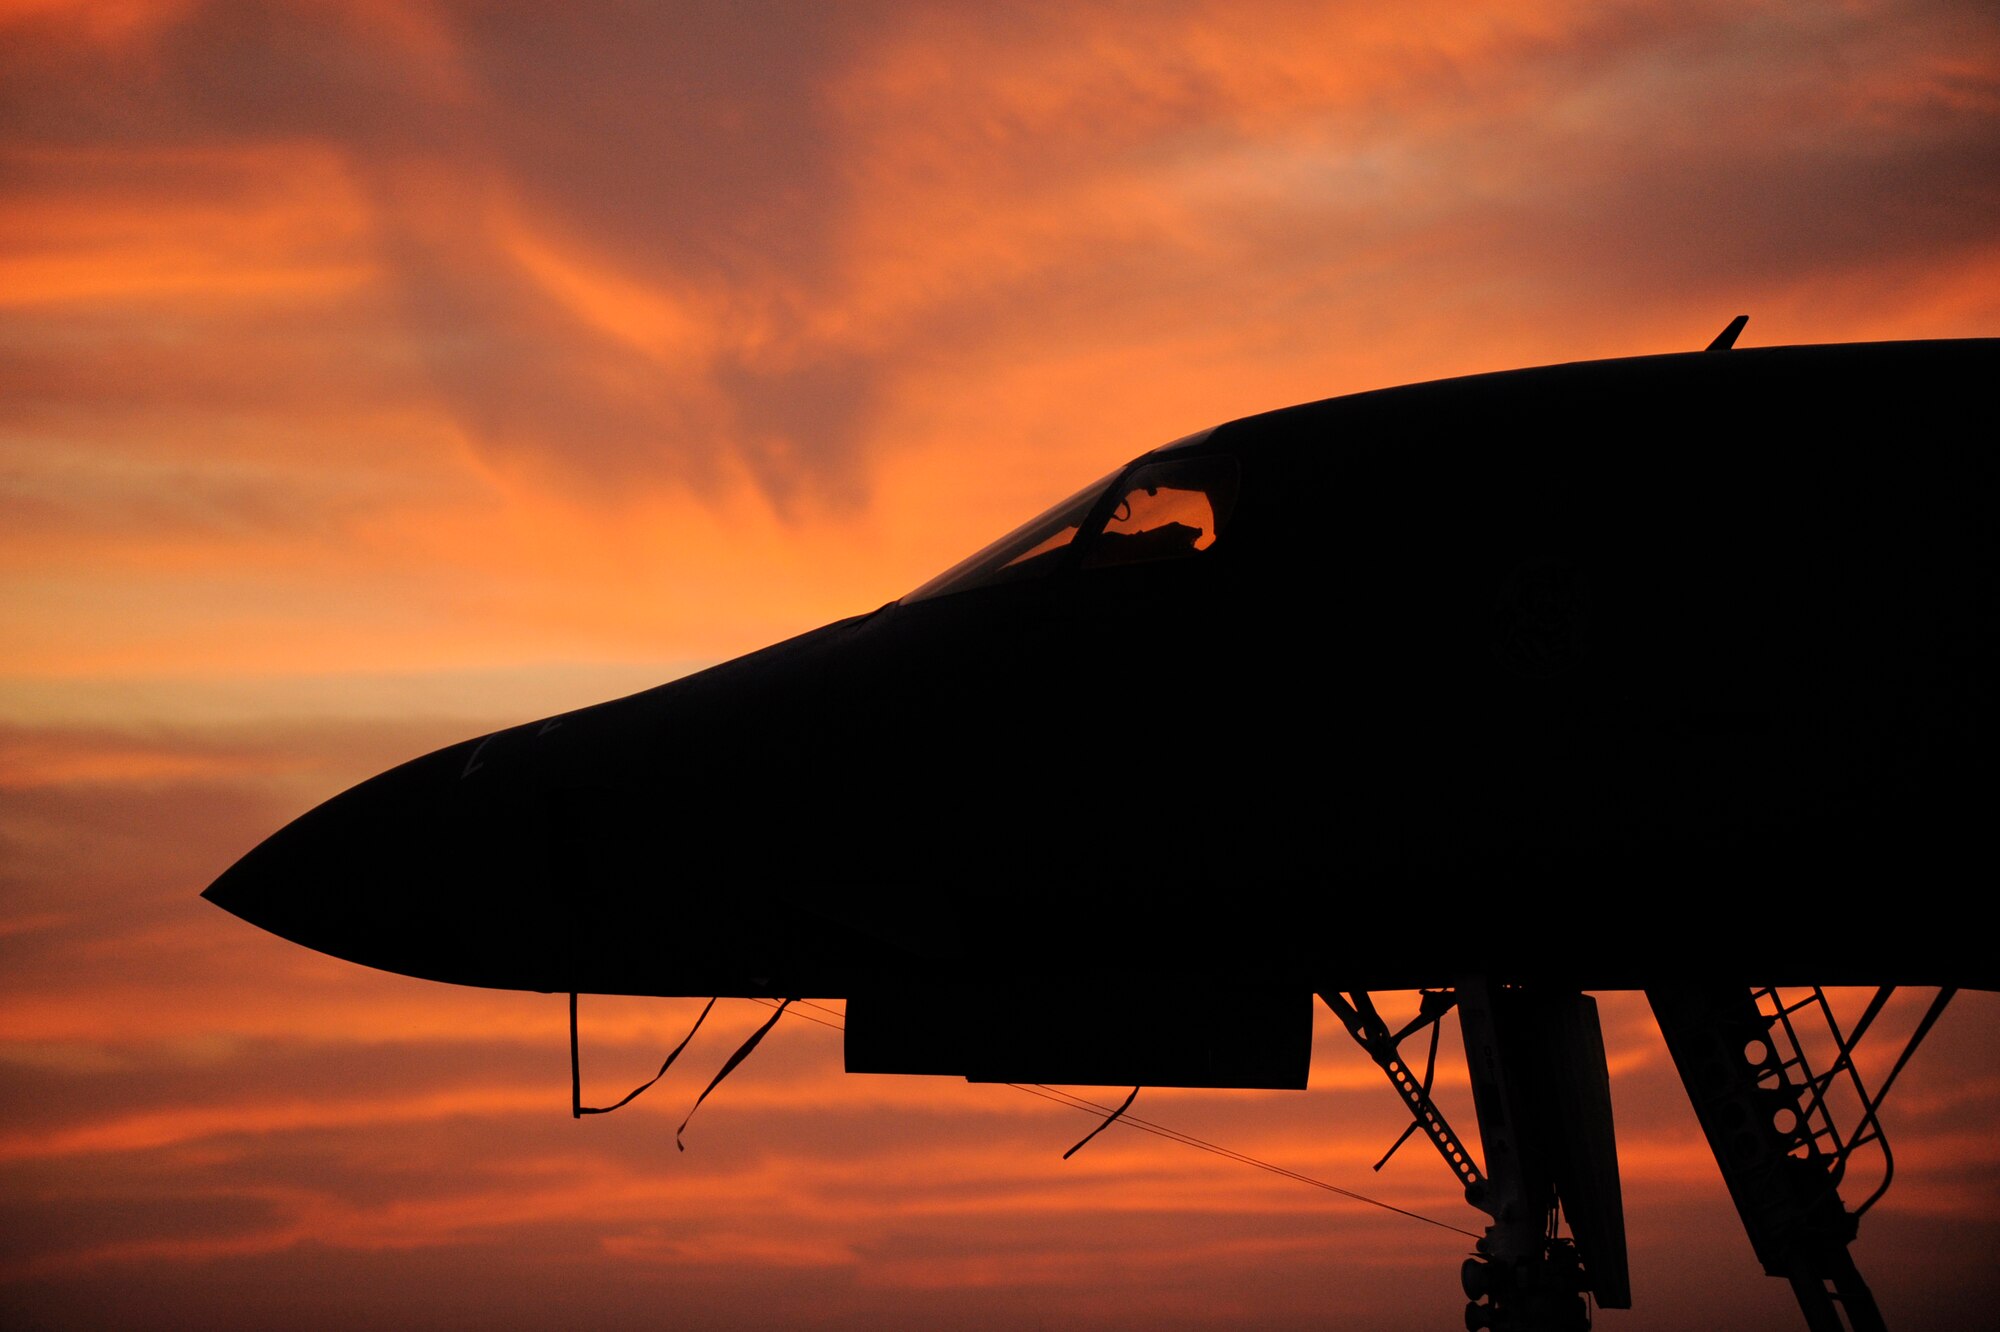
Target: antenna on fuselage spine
1727,337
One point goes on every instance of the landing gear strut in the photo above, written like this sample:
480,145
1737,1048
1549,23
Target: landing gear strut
1543,1102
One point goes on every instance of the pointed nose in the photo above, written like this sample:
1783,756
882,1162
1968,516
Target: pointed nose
678,841
418,871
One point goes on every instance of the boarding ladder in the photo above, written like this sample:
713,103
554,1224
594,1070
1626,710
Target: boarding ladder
1771,1120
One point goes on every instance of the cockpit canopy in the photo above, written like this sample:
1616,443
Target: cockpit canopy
1161,507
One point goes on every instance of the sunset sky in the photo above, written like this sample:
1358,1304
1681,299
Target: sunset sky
374,374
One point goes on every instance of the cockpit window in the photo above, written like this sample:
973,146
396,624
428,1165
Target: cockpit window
1028,550
1168,510
1165,508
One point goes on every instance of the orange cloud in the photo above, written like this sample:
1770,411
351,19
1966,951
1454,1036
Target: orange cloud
365,367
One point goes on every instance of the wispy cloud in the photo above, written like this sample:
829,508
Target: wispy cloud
362,364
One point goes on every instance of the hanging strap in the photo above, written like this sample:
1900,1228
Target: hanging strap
1105,1125
577,1109
742,1053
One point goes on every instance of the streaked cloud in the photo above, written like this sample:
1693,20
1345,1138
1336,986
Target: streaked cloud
373,374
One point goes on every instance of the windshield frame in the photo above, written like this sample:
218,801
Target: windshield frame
984,566
1089,509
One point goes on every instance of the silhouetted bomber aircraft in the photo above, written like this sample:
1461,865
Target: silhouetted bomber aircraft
1666,673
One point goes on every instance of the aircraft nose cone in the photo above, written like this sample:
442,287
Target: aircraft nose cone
410,872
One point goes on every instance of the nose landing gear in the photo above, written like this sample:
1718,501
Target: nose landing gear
1543,1101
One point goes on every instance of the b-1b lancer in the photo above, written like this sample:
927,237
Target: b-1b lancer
1394,691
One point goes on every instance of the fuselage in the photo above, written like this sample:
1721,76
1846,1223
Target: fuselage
1372,692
